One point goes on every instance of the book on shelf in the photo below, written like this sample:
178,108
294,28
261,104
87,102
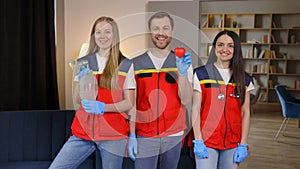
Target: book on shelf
250,68
273,69
255,52
293,39
273,39
261,54
249,53
271,84
259,68
220,23
262,68
297,84
273,54
204,24
256,68
266,67
267,53
264,39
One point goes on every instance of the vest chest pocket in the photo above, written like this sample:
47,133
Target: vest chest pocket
171,77
144,75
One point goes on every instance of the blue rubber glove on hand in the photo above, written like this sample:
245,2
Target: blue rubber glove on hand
132,146
93,106
200,149
82,72
183,63
240,153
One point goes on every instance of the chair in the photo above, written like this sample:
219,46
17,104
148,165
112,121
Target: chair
290,108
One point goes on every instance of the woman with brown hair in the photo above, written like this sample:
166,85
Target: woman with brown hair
221,106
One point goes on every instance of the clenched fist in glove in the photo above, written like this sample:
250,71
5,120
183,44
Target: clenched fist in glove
93,106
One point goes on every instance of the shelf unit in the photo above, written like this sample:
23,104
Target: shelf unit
270,45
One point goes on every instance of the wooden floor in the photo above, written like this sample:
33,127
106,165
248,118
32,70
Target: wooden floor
265,153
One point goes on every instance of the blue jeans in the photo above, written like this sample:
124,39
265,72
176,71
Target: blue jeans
76,150
217,159
166,149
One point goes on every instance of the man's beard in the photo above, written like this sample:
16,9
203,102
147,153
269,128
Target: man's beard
156,43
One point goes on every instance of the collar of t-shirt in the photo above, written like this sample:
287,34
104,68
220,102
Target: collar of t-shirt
157,61
225,74
101,60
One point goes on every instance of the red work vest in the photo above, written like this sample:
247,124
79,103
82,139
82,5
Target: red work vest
160,112
111,125
221,120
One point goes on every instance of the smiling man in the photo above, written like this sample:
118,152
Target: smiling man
163,84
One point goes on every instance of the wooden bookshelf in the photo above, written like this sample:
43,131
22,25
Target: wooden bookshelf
270,46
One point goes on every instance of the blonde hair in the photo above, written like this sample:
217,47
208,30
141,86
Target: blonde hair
109,77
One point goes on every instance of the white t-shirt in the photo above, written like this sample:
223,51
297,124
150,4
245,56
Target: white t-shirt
101,60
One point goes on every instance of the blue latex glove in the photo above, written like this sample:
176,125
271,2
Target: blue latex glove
200,149
93,106
183,63
240,153
82,72
132,146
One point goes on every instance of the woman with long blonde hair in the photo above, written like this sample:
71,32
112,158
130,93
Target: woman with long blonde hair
101,124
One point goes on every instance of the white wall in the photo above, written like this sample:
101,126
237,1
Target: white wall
75,20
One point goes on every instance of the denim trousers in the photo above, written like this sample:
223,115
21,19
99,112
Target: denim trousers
76,150
217,159
161,152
